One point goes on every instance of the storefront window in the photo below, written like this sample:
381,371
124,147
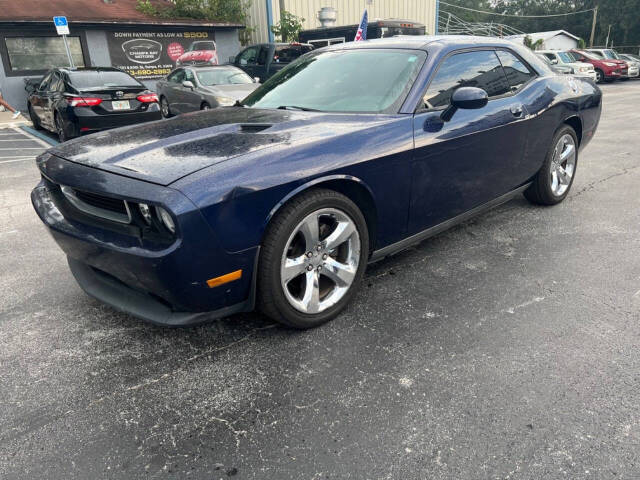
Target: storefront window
42,53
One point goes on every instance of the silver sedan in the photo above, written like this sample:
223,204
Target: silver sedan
188,89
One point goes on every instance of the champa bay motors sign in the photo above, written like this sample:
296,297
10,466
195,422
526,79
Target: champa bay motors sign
150,55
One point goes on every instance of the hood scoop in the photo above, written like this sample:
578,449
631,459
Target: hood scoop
254,127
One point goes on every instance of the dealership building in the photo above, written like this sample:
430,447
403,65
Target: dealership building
102,33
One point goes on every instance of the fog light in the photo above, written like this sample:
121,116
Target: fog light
146,212
166,219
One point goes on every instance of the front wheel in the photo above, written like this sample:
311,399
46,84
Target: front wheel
34,118
205,106
553,182
599,76
61,130
313,259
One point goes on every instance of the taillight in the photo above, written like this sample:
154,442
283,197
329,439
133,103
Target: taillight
83,101
148,98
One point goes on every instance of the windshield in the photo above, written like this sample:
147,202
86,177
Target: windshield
565,57
358,80
591,55
222,76
610,54
102,79
201,46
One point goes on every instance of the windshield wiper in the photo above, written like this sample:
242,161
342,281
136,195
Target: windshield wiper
295,107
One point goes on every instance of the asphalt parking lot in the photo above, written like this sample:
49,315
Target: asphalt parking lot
508,347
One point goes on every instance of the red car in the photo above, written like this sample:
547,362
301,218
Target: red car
199,53
607,70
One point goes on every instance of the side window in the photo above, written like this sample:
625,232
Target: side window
188,75
550,56
177,76
517,72
248,57
479,69
262,56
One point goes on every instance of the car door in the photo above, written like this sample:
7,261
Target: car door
247,60
477,155
54,95
39,98
173,89
191,99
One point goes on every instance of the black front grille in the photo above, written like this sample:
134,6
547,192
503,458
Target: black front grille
100,201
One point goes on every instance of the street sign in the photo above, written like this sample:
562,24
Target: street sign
62,26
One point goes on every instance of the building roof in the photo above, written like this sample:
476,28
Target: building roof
535,36
93,11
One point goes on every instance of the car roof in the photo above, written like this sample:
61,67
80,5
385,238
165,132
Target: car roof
422,42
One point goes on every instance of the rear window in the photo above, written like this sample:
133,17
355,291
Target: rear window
288,53
102,79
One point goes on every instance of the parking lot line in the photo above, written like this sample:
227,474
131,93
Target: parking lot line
16,159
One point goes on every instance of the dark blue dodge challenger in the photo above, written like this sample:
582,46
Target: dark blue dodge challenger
348,155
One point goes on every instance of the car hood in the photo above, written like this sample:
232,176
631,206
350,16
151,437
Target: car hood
236,91
164,151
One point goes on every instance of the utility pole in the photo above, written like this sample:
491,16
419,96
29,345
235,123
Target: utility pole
593,26
606,44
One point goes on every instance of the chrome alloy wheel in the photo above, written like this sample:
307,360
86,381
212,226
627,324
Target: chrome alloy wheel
320,260
563,165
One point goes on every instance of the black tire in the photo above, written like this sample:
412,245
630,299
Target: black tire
540,191
599,76
205,106
624,79
271,299
61,130
34,118
165,110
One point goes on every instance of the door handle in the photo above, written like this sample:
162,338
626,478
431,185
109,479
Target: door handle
517,110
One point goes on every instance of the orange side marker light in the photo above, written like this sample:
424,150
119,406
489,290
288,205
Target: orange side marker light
229,277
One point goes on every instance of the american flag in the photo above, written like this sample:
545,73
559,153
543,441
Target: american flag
361,34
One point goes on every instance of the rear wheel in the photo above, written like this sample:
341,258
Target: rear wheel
164,108
313,259
34,118
205,106
61,129
553,182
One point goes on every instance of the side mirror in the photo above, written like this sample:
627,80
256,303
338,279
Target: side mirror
465,98
256,79
188,84
232,59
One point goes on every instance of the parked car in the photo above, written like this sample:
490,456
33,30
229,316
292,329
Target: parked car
201,52
555,66
263,60
633,62
566,59
71,102
606,70
200,88
279,203
610,54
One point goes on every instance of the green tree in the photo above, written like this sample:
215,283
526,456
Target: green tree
232,11
288,27
528,42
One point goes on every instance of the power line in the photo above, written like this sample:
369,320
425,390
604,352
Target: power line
515,16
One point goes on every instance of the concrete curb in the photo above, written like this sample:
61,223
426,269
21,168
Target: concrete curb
41,136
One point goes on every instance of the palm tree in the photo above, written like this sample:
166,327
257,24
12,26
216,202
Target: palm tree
528,42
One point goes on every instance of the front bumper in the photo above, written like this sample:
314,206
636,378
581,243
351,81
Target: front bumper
164,283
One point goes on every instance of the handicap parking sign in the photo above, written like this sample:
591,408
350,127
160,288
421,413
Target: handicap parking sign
62,26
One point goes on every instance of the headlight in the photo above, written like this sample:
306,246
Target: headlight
584,69
166,219
225,101
145,211
610,64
